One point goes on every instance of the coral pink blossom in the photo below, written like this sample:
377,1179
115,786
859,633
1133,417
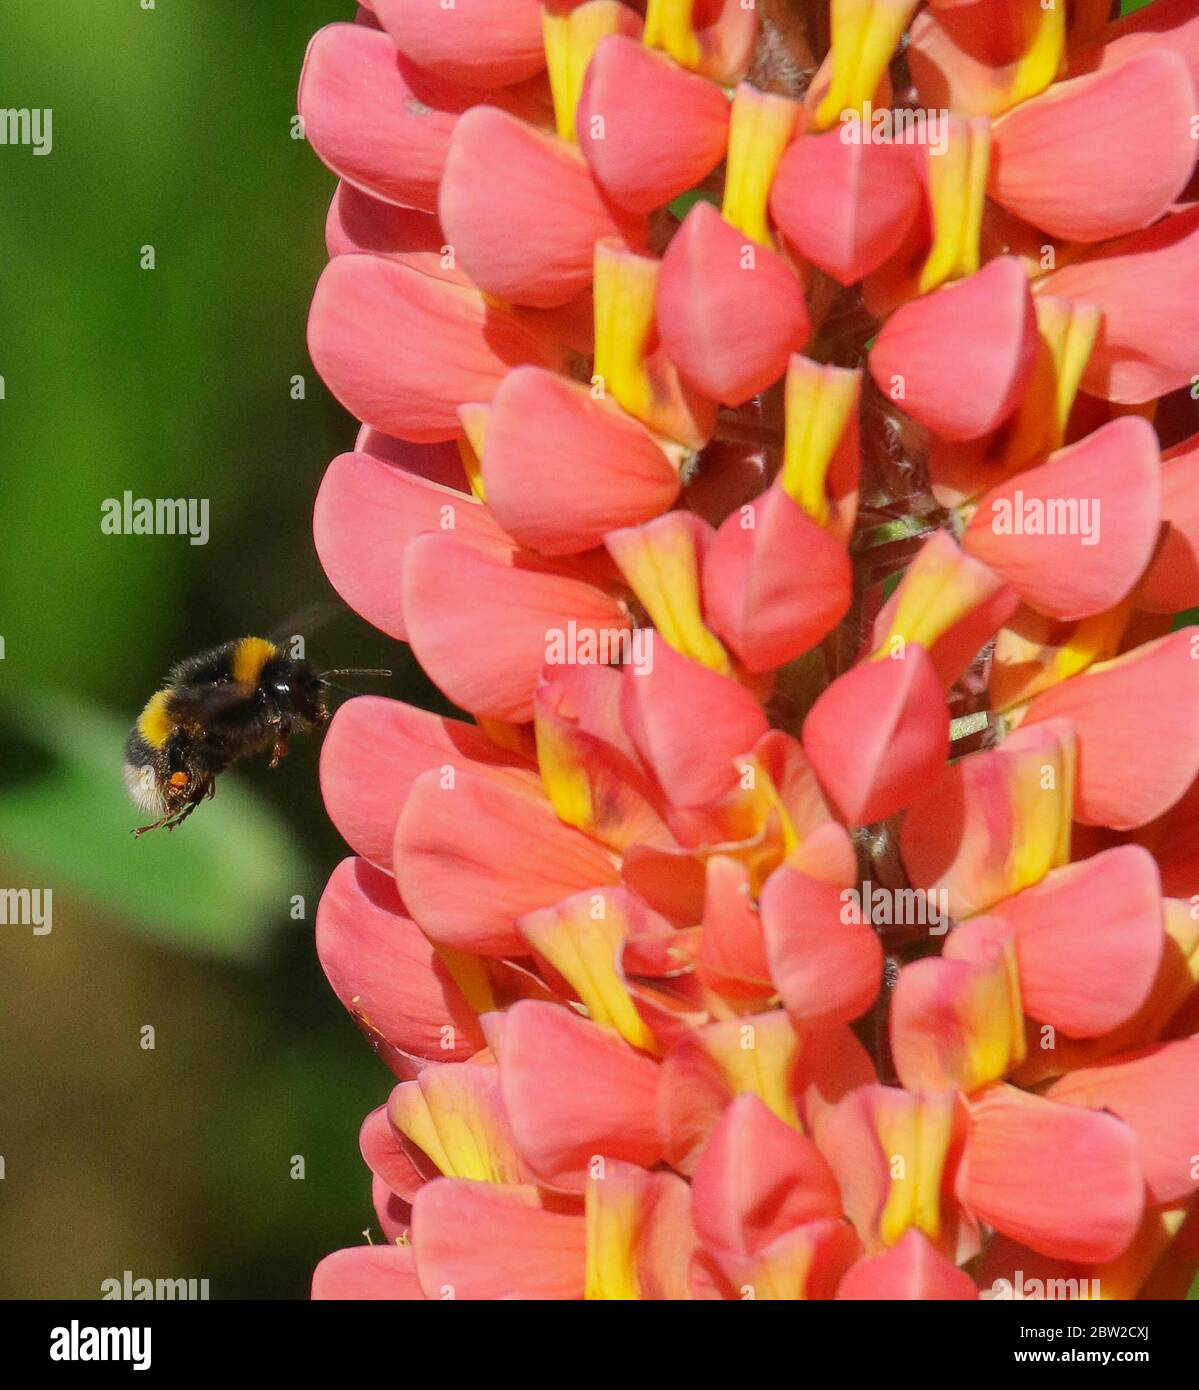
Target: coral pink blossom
798,902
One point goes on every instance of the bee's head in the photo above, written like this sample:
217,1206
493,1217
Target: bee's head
294,688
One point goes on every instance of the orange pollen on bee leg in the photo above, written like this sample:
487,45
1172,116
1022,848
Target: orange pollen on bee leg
178,779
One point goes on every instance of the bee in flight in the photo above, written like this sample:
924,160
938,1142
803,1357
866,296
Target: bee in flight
238,699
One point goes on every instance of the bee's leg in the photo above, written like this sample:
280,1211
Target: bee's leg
154,825
279,748
180,813
180,816
211,789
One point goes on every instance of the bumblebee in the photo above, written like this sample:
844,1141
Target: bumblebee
226,704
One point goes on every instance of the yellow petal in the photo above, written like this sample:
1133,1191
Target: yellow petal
914,1134
820,403
865,35
668,26
661,564
624,289
570,38
760,129
454,1114
957,185
582,939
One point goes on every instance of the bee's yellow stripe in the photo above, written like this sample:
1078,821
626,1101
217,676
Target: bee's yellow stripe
154,723
250,655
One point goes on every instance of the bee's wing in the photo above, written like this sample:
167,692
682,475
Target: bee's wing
203,702
307,621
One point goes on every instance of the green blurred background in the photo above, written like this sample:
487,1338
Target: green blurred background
172,128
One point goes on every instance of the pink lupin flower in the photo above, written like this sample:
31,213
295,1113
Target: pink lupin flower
809,869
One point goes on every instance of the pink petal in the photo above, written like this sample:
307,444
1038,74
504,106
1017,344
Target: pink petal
367,1272
522,211
690,773
1139,711
1101,155
1153,1092
562,468
591,773
630,89
393,1214
373,752
580,945
996,821
958,360
473,856
402,351
660,561
798,1076
477,1240
956,1024
483,624
453,1118
968,58
374,117
863,1135
477,42
775,583
366,514
384,1154
792,779
806,1262
573,1090
724,33
1091,1208
758,1178
730,312
385,971
947,602
878,736
640,1240
1074,535
705,1068
439,463
913,1269
732,954
845,207
1172,583
359,222
1172,25
1149,334
1089,940
826,969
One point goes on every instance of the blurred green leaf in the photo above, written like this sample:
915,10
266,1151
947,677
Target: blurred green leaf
683,204
1131,6
216,885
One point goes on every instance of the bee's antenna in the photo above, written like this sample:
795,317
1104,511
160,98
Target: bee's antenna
325,676
353,671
